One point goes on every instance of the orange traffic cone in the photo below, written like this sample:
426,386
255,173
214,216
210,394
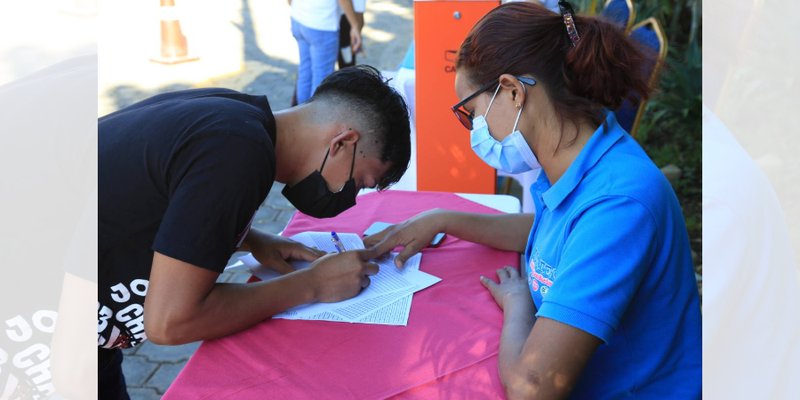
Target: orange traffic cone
174,48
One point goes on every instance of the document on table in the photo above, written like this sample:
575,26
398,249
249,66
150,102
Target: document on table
387,300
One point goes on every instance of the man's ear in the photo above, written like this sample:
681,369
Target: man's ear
343,140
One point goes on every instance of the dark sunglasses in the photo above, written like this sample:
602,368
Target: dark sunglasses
464,116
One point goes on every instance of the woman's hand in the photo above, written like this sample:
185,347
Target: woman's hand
511,288
274,251
414,235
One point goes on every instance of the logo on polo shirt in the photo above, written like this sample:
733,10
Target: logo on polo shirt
541,275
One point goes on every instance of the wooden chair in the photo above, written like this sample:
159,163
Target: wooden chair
651,36
620,12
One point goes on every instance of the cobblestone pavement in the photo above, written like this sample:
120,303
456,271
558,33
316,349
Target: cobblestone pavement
244,45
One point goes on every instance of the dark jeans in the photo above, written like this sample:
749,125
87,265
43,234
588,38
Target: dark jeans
110,380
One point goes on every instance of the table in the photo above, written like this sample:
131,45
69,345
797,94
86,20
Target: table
448,350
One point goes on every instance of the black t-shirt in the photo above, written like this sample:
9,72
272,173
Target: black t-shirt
183,174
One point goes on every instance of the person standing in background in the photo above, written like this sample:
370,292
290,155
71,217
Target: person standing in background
347,54
315,26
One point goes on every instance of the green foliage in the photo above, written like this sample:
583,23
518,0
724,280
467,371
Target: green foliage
671,126
670,129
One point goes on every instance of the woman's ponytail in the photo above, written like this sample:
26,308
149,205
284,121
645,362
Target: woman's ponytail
598,71
604,66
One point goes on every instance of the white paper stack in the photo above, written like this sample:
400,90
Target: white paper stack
386,301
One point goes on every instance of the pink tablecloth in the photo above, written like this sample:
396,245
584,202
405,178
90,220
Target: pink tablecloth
448,350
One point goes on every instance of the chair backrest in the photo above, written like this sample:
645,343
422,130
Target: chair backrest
650,34
620,12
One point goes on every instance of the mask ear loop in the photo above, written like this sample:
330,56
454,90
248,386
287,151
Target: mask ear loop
324,160
353,163
491,101
516,121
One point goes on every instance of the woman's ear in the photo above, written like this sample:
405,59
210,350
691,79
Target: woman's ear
515,87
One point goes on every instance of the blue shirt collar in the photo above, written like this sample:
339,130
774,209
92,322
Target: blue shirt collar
608,133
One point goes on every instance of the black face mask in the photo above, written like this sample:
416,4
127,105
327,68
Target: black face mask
312,197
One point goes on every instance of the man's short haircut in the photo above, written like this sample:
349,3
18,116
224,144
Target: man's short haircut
363,94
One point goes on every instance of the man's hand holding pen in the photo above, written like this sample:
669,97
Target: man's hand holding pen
340,276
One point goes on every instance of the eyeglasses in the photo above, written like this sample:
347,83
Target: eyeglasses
464,116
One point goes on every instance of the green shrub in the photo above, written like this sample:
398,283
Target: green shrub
670,130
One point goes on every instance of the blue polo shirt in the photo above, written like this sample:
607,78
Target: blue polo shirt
609,254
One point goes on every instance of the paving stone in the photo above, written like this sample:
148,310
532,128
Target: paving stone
137,369
155,352
273,215
270,226
138,393
275,198
284,216
164,376
277,201
266,213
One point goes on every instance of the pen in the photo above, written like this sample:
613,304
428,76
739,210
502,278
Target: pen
336,242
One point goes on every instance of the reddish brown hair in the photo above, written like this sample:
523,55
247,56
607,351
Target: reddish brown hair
600,71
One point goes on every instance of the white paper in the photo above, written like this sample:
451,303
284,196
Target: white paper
387,300
392,308
395,313
389,285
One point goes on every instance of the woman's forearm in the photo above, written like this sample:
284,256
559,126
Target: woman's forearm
501,231
518,320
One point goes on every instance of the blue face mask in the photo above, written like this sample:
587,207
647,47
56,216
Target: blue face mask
512,155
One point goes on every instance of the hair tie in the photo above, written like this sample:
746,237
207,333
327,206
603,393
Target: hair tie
567,13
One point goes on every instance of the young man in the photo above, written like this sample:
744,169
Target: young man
180,177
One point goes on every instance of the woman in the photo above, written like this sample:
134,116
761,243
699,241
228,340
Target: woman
606,304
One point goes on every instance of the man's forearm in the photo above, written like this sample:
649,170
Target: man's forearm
230,308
